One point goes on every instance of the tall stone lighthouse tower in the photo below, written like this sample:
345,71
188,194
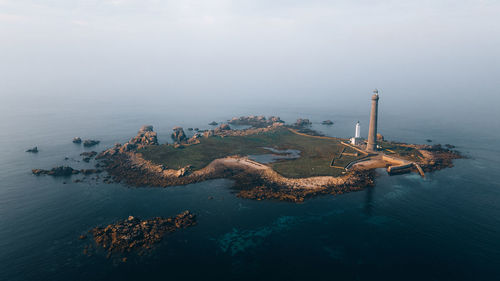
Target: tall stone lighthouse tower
372,131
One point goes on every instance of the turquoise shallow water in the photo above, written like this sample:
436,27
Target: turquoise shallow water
443,227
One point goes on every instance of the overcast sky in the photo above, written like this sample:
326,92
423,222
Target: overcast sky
281,49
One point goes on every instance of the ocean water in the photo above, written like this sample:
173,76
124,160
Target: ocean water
443,227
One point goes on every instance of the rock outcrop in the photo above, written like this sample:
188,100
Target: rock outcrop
145,136
302,123
77,140
221,128
61,171
64,171
213,123
179,136
327,122
134,235
88,155
33,150
89,143
255,121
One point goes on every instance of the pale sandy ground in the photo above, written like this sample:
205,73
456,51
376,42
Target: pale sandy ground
242,163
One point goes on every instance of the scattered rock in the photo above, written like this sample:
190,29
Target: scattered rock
327,122
77,140
222,127
255,121
33,150
61,171
89,143
449,146
64,171
302,123
88,155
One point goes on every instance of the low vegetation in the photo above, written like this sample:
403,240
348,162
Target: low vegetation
315,157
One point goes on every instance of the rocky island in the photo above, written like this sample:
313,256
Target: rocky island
137,236
326,165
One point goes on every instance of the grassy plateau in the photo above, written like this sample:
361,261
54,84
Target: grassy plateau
316,153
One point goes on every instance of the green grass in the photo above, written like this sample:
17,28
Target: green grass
315,157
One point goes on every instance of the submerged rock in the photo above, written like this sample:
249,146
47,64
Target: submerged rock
33,150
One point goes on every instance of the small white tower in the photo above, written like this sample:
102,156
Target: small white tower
357,140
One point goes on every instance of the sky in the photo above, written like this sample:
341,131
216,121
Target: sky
419,53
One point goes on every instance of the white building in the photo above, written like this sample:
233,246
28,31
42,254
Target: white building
357,140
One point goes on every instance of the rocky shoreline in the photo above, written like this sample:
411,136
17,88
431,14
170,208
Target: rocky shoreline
253,180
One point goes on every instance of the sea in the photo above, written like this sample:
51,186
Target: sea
445,226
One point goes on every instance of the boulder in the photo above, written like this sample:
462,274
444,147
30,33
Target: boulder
77,140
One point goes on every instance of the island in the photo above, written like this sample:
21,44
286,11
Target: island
267,160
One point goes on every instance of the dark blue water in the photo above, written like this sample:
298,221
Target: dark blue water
443,227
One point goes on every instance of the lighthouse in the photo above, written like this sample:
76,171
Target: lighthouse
372,132
357,140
